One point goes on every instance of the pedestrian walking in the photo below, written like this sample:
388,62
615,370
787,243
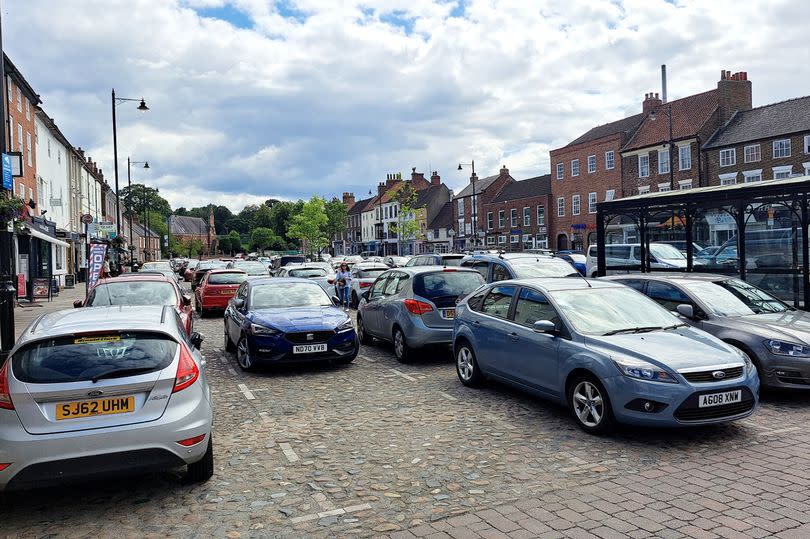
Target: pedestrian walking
106,268
343,283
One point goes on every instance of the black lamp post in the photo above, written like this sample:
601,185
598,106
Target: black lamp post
141,107
670,144
473,202
129,200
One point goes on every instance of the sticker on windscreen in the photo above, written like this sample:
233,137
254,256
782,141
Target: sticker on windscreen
97,340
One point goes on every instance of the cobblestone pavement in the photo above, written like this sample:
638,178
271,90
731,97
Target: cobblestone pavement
377,448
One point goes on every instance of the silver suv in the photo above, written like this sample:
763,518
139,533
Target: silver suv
104,391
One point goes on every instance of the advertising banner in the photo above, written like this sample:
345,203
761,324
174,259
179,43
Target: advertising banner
96,263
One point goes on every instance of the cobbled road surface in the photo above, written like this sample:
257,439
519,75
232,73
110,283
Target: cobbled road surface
378,448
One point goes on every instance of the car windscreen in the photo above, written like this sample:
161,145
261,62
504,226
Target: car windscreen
664,251
308,273
281,295
211,265
284,260
252,268
133,293
371,273
157,266
79,358
733,297
452,260
444,287
227,278
551,267
601,311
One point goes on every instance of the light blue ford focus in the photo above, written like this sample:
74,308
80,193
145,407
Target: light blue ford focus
603,350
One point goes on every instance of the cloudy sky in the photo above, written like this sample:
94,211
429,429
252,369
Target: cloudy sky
252,99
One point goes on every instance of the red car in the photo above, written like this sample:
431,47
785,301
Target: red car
216,288
141,289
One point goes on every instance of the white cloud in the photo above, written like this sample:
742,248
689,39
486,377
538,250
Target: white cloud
322,96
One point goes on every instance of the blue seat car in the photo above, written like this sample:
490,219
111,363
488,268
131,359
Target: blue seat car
277,320
499,267
603,350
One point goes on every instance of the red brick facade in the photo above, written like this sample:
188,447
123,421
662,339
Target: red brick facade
21,105
766,167
485,190
523,222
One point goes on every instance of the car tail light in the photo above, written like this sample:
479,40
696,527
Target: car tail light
188,442
417,307
4,465
331,280
449,270
187,371
365,285
5,394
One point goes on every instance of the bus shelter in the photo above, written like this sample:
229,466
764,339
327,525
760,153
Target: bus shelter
756,231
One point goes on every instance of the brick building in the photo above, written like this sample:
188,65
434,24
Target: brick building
21,130
764,143
586,171
646,161
184,228
476,194
516,218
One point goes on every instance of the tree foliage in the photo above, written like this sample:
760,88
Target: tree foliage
264,238
336,218
235,240
139,197
309,226
407,225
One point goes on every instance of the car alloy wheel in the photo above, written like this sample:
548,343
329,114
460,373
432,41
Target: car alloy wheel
354,301
364,337
229,347
590,405
243,354
467,367
400,346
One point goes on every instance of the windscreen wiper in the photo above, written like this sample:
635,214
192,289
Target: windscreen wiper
642,329
117,373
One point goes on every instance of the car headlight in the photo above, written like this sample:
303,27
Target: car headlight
345,326
781,348
749,365
641,370
257,329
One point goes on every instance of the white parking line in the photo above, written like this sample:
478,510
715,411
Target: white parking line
246,392
402,374
332,513
288,452
369,359
446,396
230,370
224,360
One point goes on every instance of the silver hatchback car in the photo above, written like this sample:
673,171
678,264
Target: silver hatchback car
104,391
414,307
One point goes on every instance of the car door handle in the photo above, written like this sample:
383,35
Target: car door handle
477,322
512,335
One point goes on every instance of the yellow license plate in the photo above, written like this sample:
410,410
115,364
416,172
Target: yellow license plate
449,313
227,292
115,405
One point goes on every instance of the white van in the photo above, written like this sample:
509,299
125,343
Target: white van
662,256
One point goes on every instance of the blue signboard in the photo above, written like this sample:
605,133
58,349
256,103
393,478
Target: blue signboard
8,181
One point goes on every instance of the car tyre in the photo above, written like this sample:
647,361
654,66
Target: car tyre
345,360
229,346
355,301
467,366
401,349
202,470
364,337
590,405
243,358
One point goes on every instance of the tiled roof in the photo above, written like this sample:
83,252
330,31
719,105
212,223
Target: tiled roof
423,196
183,224
538,186
480,185
625,125
359,206
776,119
443,219
688,116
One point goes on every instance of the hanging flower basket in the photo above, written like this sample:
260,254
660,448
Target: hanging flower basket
10,208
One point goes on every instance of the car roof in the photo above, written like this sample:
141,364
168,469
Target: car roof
562,283
413,270
152,275
507,256
273,280
100,319
681,277
225,270
370,265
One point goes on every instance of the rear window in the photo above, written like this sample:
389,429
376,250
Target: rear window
546,268
82,358
227,278
452,260
133,293
308,273
446,284
371,273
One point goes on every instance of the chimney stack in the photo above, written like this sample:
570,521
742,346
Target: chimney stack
733,94
650,103
418,179
435,179
348,199
381,188
663,83
504,171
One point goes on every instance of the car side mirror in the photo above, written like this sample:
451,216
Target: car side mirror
187,300
77,303
364,295
545,326
238,303
196,340
686,310
336,301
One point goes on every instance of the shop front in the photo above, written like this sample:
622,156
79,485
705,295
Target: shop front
39,254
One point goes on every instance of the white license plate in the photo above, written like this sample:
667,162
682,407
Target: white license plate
309,348
719,399
448,314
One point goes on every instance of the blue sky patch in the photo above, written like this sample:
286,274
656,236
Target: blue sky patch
228,13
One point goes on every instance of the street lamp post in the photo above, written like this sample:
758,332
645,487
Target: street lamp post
115,101
129,201
670,144
474,202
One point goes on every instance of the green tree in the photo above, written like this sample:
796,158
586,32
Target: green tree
407,225
237,224
236,241
336,218
139,197
263,218
309,226
263,238
224,244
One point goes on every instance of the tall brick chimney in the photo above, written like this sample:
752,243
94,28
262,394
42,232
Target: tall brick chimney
504,171
381,188
733,94
650,103
435,179
348,199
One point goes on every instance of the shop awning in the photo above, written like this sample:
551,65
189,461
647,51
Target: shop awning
40,235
